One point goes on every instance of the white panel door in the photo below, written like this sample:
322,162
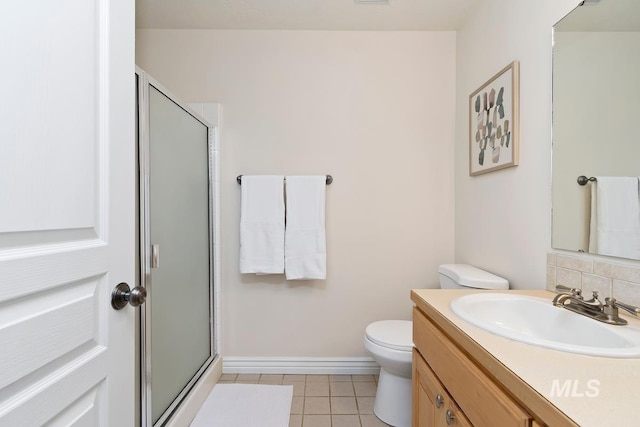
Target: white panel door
66,212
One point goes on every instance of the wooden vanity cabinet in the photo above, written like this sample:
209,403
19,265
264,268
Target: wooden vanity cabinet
450,389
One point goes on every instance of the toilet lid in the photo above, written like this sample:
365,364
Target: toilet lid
393,334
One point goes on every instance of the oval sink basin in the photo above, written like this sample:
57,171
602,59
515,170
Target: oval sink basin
538,322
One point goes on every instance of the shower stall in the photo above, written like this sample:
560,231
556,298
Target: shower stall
177,155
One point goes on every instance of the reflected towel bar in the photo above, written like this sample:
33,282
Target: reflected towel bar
583,180
329,179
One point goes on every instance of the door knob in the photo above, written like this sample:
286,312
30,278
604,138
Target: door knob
122,295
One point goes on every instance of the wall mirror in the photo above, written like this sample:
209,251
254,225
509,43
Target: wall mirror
596,117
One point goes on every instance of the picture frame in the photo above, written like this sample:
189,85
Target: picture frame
494,119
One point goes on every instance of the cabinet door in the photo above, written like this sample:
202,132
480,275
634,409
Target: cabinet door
424,412
424,394
432,405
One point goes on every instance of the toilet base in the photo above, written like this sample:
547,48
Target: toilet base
393,400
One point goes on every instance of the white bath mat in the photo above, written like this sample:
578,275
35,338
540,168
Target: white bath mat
246,405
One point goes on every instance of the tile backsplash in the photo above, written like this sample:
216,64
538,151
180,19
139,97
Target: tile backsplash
609,279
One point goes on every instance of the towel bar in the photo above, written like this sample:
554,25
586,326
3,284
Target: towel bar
329,179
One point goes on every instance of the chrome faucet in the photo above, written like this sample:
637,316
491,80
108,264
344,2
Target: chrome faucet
572,299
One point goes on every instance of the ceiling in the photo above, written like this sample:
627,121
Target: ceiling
398,15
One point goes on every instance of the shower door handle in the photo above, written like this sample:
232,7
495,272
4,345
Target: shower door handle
155,256
123,294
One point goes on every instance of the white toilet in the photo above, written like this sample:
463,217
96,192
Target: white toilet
390,344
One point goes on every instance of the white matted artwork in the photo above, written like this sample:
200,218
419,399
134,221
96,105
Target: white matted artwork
493,122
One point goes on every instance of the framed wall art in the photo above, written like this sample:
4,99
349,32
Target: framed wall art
494,121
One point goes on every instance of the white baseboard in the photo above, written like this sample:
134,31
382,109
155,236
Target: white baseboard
299,365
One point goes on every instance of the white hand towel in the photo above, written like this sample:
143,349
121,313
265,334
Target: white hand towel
615,217
262,224
305,240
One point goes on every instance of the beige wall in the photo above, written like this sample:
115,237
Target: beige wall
503,219
373,109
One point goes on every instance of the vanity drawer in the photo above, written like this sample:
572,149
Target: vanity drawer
482,401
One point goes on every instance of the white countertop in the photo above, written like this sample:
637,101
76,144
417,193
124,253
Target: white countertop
604,391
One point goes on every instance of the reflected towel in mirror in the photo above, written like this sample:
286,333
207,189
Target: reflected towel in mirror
615,217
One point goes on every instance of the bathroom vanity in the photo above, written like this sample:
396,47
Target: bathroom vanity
466,376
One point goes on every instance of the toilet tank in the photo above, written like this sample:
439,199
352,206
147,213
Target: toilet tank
461,276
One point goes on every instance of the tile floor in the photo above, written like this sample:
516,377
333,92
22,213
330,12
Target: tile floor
323,400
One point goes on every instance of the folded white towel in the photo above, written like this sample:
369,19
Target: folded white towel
262,224
305,240
615,217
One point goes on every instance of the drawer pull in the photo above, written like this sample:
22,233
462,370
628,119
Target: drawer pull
439,400
450,417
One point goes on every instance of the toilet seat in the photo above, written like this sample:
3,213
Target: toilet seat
391,334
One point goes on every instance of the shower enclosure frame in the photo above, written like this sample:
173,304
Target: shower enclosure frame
144,82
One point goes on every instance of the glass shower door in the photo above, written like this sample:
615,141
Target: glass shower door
177,255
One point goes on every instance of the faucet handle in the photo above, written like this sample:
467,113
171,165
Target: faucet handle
627,307
573,291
